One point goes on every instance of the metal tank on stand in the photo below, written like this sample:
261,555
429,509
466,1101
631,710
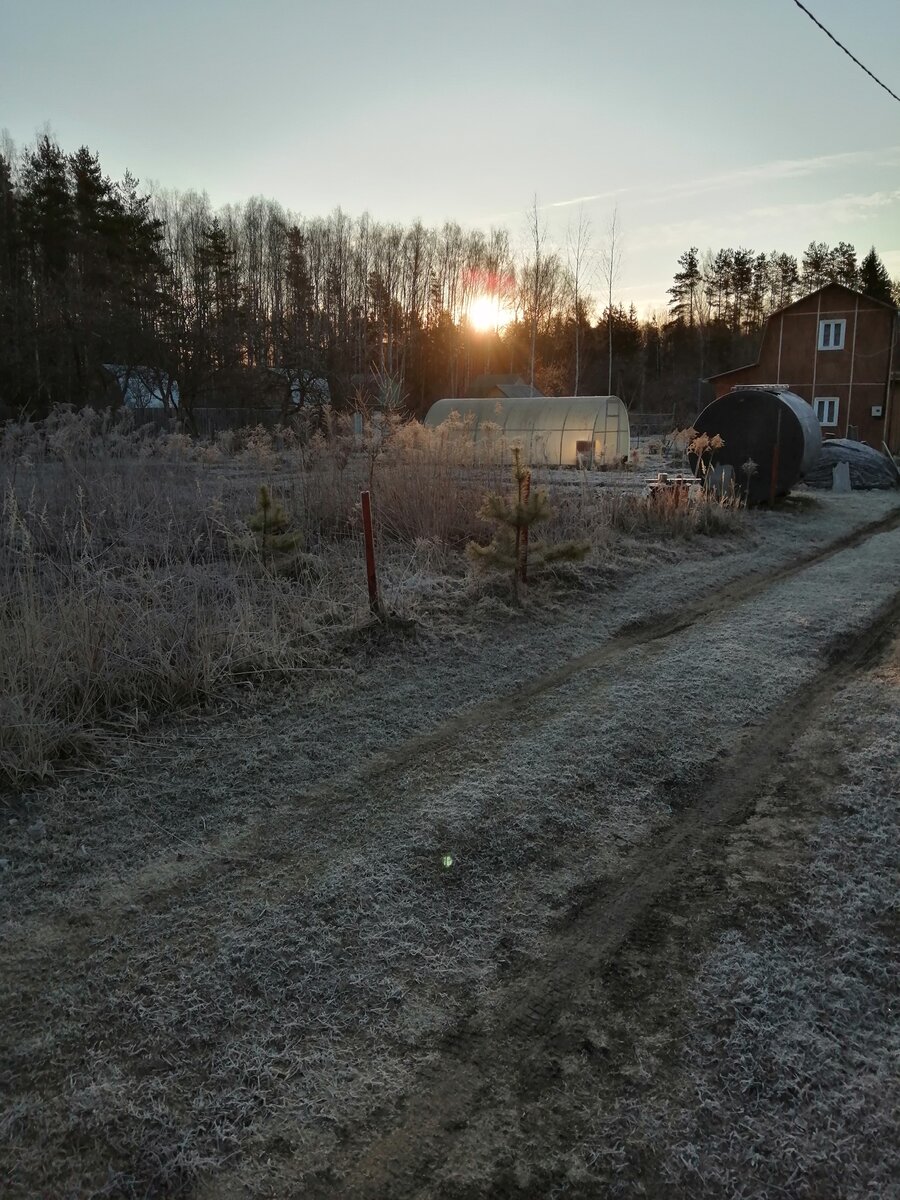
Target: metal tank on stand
771,439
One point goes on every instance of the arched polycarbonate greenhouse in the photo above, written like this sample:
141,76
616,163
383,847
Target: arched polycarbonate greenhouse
553,431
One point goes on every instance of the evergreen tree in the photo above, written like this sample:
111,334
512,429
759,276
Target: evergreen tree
139,244
818,266
92,195
719,284
685,287
276,540
48,213
741,285
843,265
16,316
509,549
874,279
93,297
784,279
10,232
48,222
759,290
295,344
220,296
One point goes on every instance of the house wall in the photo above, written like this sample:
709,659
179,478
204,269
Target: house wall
857,375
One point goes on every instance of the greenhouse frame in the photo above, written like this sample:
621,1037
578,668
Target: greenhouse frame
553,431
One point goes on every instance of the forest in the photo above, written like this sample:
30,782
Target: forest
95,271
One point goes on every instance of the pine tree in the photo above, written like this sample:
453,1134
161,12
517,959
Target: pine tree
10,231
843,262
741,284
685,287
818,266
221,294
48,222
719,283
784,278
874,279
145,274
16,317
48,212
759,289
509,549
92,194
276,540
94,299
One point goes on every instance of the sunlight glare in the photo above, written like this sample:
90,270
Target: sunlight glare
487,313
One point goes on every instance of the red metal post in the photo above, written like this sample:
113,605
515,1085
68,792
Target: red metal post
776,452
370,551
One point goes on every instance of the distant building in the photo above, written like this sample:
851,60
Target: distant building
837,348
503,387
245,392
140,387
307,388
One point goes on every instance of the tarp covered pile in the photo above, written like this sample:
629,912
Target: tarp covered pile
869,468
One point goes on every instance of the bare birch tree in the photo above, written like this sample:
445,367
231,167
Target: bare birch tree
580,262
611,266
541,278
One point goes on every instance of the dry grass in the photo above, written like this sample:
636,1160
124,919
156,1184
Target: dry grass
130,583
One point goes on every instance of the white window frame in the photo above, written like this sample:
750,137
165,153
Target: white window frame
822,413
832,334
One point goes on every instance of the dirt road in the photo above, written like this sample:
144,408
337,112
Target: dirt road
490,917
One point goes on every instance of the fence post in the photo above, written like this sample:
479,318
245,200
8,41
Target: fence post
371,576
776,453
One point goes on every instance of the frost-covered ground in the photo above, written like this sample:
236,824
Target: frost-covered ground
237,965
748,1044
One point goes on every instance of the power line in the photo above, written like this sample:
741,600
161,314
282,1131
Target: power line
841,46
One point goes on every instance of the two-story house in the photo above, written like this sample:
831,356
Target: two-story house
836,348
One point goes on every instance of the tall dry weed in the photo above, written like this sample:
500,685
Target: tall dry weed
131,581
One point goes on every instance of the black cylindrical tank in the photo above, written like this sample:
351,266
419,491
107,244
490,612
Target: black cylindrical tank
752,421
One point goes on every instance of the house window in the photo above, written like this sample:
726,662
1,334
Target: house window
826,409
831,335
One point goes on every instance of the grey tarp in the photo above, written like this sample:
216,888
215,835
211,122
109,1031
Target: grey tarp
869,468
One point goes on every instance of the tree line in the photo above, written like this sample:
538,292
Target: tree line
95,271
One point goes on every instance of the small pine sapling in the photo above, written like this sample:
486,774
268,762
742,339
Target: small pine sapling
276,540
509,549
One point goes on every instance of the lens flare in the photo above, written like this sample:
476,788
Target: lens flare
487,314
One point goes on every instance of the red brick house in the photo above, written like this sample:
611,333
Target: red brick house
838,350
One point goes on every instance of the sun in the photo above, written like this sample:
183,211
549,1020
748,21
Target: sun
486,313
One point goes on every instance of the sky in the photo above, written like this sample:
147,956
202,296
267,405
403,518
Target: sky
706,122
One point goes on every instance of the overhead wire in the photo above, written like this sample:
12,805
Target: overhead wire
841,46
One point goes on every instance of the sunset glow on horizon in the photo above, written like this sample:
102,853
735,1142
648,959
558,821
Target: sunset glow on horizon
487,314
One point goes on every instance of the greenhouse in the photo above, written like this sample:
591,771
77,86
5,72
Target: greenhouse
554,431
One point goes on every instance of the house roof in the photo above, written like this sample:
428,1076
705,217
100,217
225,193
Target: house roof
512,390
857,295
510,386
784,308
732,371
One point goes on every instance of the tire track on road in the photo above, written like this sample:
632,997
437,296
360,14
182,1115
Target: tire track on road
525,1040
48,954
268,846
